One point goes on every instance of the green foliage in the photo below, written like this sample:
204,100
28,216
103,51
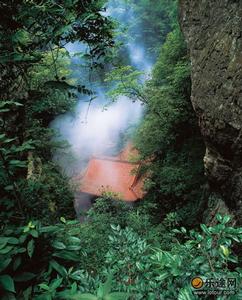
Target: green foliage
169,272
48,262
46,195
175,148
155,21
125,81
103,293
169,109
168,137
148,22
36,260
112,207
128,259
95,232
149,272
30,188
206,254
36,85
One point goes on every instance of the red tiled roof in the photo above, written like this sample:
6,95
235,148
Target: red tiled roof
113,175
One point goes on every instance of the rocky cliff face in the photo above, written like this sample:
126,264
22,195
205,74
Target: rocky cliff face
213,30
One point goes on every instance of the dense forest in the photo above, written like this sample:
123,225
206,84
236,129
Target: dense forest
151,249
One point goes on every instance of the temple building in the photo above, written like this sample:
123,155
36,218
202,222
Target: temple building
118,175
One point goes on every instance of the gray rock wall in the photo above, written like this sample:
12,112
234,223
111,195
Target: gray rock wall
213,30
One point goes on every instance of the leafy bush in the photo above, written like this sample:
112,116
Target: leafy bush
46,262
47,195
169,137
152,273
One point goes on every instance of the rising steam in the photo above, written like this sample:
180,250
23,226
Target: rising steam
93,130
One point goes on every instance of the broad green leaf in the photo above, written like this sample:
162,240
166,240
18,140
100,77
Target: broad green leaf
105,288
2,136
176,231
47,229
4,240
56,283
4,263
21,250
163,275
74,231
27,293
67,255
60,269
3,244
34,233
59,245
30,248
233,259
235,238
9,140
225,250
205,229
226,219
13,240
113,227
7,283
74,239
6,250
63,220
17,163
74,288
74,247
100,292
44,286
219,217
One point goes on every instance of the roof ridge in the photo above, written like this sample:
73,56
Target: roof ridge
114,160
136,178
